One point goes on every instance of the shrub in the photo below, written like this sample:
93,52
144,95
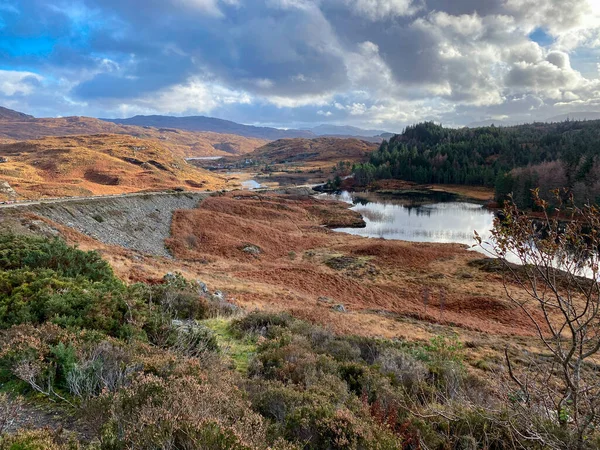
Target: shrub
19,252
40,295
261,323
179,302
9,409
208,415
42,439
403,369
193,340
105,367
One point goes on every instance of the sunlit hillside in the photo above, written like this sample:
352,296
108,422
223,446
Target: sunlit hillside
96,165
182,143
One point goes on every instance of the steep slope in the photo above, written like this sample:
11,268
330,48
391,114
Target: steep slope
322,150
203,123
97,165
19,126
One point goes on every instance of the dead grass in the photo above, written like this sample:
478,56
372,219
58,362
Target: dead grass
97,165
180,142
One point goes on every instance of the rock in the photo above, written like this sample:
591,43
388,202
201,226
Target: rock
339,308
251,249
169,276
6,189
202,286
219,295
325,300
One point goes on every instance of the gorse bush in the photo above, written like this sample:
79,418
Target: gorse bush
26,252
46,280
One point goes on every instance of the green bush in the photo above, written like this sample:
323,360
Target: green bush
40,295
20,252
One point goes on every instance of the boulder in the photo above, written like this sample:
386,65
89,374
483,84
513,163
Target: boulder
339,308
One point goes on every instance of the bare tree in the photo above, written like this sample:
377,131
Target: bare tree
556,285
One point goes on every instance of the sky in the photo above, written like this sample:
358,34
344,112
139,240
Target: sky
297,63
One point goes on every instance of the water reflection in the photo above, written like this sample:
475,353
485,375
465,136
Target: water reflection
412,220
251,184
447,222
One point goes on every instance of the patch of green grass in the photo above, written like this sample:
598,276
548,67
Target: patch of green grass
239,350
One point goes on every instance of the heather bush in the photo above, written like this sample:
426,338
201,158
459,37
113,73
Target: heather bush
182,412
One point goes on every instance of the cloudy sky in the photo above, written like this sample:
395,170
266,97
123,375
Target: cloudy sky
370,63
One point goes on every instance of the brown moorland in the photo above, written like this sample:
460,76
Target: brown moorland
277,252
97,165
182,143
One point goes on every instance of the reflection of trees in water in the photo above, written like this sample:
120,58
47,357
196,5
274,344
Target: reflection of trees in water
420,210
360,201
445,235
376,216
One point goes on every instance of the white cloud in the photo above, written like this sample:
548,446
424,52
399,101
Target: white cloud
357,109
195,96
324,113
382,9
299,101
14,82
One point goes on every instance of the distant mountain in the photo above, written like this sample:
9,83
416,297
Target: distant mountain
9,114
589,115
345,130
203,123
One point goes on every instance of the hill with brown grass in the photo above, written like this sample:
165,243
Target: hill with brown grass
97,165
321,150
19,126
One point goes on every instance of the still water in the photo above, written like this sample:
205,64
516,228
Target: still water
251,184
426,220
418,221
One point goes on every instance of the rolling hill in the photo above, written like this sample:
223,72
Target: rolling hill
321,150
96,165
18,126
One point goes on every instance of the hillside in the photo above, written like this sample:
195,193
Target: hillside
9,114
96,165
18,126
513,159
321,150
203,123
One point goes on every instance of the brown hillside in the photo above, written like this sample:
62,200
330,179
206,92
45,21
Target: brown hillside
321,150
97,165
182,143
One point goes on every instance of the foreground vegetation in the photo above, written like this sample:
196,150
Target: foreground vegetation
511,159
174,366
